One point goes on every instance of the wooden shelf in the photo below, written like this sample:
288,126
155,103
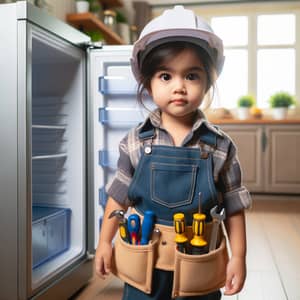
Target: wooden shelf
88,21
111,3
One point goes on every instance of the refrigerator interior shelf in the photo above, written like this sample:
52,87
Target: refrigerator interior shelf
53,156
50,127
50,233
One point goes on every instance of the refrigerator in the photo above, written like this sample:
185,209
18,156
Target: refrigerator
65,105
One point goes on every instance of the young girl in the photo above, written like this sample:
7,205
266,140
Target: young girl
176,154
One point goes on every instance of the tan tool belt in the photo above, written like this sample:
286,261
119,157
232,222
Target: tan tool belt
134,264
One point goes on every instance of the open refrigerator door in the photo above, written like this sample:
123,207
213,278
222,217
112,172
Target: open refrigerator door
115,111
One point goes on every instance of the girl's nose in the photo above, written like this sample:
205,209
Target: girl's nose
179,86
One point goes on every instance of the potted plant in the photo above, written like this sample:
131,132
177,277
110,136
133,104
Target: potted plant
82,6
96,8
280,102
244,104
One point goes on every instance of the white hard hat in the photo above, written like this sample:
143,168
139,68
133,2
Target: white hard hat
177,24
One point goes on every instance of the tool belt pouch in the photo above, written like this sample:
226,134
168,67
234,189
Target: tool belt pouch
143,257
200,274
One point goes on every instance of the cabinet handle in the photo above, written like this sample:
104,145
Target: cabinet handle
264,141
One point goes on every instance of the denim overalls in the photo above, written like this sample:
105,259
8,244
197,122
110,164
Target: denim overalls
168,180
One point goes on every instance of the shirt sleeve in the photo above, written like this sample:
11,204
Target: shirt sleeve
118,186
235,196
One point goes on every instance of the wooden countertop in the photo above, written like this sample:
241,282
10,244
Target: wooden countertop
253,121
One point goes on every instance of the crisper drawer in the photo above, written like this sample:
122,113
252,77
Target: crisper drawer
50,233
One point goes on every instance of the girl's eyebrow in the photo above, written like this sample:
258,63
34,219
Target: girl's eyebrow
190,69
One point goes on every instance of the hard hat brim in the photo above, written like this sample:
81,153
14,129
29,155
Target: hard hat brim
208,41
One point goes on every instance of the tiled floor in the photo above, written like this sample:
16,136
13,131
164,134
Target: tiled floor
273,260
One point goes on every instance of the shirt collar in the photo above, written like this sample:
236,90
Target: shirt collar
155,119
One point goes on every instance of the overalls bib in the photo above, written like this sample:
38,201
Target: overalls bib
169,180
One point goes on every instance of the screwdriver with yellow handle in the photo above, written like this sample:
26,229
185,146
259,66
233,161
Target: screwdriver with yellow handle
180,238
198,243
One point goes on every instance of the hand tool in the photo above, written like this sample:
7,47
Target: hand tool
134,224
147,227
217,218
123,229
198,243
155,234
180,238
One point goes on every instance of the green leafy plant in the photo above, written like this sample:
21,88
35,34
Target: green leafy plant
246,101
281,99
95,36
94,6
120,17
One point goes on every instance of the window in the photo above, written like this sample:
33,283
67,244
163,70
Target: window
260,61
275,55
233,81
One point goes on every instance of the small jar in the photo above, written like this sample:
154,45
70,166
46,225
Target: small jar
110,19
133,34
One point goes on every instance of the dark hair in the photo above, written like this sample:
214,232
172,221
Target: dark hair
161,54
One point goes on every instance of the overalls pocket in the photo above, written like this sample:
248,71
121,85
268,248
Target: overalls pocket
134,263
200,274
165,189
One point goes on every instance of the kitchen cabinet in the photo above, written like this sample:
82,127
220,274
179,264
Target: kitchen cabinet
248,139
269,156
283,159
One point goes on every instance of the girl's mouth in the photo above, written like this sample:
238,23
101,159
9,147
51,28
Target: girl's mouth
179,101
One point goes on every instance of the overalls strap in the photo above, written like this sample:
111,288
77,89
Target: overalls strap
208,137
147,132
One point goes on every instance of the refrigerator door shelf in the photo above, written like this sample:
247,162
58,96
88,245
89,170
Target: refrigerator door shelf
125,118
117,85
102,197
108,159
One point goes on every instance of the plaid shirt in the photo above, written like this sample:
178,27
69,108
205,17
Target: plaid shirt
226,167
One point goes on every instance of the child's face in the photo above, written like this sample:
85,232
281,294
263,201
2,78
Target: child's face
180,84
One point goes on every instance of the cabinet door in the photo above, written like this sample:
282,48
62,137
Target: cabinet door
248,140
283,159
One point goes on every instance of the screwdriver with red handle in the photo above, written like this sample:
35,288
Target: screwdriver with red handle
134,224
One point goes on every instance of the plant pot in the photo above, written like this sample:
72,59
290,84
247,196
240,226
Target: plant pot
124,32
82,6
279,113
243,113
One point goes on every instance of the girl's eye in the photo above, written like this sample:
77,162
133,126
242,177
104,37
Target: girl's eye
165,76
192,76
